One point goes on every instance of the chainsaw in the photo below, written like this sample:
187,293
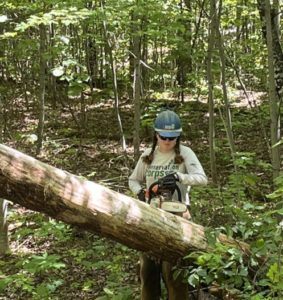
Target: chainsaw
160,196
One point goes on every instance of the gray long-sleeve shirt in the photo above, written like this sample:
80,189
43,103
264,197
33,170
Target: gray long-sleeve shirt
190,172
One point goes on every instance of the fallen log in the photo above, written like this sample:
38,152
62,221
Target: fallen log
93,207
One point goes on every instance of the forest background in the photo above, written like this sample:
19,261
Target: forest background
82,81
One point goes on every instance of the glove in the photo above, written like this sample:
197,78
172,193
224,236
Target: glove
169,181
141,195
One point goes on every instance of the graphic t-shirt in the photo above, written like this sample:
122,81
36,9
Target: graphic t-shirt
190,172
162,165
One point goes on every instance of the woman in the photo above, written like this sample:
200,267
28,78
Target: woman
167,158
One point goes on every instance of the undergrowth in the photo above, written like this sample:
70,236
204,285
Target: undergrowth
51,260
66,262
245,214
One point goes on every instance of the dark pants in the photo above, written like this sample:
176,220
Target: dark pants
150,274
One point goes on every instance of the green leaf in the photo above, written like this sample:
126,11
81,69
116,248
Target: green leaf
176,274
276,194
229,264
258,297
87,286
108,291
8,35
264,282
277,144
273,273
3,18
248,206
243,272
75,90
71,62
41,263
59,71
202,273
193,280
65,39
54,285
42,290
4,282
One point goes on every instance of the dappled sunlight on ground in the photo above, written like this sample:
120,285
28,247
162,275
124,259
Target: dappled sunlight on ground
95,154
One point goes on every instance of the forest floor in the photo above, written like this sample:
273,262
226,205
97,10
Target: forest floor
51,260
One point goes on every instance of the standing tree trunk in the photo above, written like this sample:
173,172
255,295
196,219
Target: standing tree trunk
4,244
136,78
42,63
90,48
53,84
275,70
144,56
273,96
66,197
184,49
228,118
109,45
210,79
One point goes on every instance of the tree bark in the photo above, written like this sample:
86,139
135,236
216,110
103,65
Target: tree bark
271,34
41,118
4,244
136,42
228,115
112,61
273,97
210,80
184,49
66,197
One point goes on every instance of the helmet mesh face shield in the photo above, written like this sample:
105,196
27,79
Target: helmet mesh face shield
168,124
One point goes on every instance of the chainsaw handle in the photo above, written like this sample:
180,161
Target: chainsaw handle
151,192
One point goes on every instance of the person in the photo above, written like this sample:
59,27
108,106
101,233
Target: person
170,160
